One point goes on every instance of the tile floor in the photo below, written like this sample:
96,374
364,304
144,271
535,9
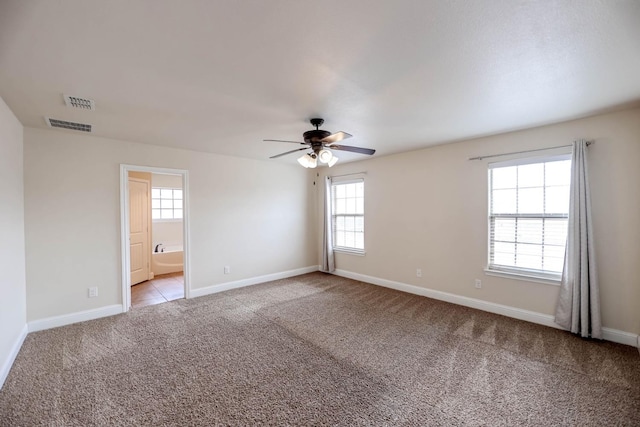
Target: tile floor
163,288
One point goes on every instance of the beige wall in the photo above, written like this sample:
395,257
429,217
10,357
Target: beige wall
424,209
166,181
251,215
166,233
12,253
428,209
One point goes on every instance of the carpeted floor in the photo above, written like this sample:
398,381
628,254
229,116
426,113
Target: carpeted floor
317,350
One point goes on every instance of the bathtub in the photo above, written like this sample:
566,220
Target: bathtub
169,261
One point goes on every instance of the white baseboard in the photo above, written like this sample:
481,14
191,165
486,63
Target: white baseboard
609,334
67,319
8,361
251,281
110,310
621,337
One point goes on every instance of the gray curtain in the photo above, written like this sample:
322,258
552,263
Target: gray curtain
328,263
578,308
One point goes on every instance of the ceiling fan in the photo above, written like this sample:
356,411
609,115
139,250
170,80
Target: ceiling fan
321,142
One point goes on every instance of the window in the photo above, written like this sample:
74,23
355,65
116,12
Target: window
166,203
528,216
348,215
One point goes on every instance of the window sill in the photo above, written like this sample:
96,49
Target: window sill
167,220
522,276
358,252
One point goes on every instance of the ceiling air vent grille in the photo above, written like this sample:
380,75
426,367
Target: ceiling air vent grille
54,123
77,102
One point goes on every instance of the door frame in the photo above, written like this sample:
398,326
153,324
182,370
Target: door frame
124,227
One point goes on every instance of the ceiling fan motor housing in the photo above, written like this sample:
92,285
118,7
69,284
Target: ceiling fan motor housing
314,138
321,142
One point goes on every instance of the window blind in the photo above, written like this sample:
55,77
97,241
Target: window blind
528,215
348,214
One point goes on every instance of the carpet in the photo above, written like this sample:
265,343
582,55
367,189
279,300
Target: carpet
317,349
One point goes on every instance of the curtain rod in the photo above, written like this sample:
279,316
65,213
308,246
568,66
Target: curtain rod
346,174
525,151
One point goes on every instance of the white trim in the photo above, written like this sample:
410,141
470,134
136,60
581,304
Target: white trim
336,182
173,199
620,337
351,251
221,287
524,277
124,239
528,160
347,179
186,273
80,316
13,353
124,227
515,272
609,334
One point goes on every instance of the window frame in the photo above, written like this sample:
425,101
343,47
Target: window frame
173,199
513,272
334,215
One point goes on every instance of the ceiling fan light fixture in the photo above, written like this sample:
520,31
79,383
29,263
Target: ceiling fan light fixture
308,161
325,156
321,143
303,161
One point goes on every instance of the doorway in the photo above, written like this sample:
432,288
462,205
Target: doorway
154,205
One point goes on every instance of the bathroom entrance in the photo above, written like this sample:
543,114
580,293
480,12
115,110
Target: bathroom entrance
154,206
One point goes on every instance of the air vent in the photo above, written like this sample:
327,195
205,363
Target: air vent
54,123
77,102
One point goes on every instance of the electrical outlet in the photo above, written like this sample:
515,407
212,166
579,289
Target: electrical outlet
227,269
93,292
478,284
419,272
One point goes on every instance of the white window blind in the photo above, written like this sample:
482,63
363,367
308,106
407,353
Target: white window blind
348,215
528,216
166,203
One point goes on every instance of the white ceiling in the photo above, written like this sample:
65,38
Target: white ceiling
220,76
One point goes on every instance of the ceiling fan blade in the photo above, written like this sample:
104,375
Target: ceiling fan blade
288,152
368,151
336,137
280,140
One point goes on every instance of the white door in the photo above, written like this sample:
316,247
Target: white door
139,229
